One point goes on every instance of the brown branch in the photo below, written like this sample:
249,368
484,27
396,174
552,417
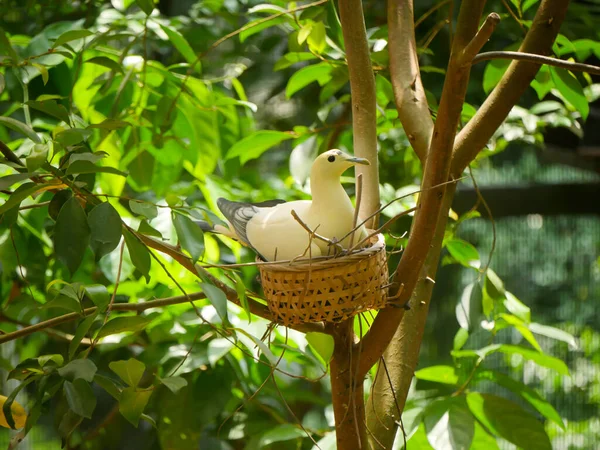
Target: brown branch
538,59
480,39
430,204
363,97
138,307
409,94
476,134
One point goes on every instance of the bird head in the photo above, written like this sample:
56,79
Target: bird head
336,162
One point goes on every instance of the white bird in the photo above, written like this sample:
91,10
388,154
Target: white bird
271,230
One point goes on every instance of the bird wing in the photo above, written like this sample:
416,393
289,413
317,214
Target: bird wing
240,213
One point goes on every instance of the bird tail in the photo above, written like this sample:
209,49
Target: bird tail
205,226
217,228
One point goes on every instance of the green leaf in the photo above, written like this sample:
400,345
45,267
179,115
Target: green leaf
463,252
83,369
540,359
316,38
320,73
7,181
183,47
468,309
528,394
106,229
554,333
493,72
45,359
71,35
439,374
516,307
322,344
43,71
256,144
292,58
109,386
122,324
72,136
449,424
71,234
146,5
110,124
83,166
80,397
82,330
508,420
217,348
6,48
129,371
20,194
174,384
240,288
218,299
99,295
37,158
51,108
20,127
460,339
191,237
257,25
146,228
140,256
147,210
106,62
63,302
569,87
521,328
280,433
133,403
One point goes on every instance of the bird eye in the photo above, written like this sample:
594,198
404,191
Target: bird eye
331,158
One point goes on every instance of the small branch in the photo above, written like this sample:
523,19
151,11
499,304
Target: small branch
315,234
363,98
9,154
479,130
409,94
359,180
538,59
138,307
480,39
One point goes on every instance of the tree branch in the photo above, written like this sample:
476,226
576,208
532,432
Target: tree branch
138,307
538,59
409,93
430,204
476,134
480,39
364,112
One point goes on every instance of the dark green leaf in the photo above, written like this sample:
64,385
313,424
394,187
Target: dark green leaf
71,234
82,330
528,394
45,359
322,344
539,358
439,374
191,237
6,48
174,384
83,166
37,158
132,404
68,423
147,210
43,71
51,108
83,369
570,88
217,298
71,35
106,229
108,385
57,202
20,194
463,252
449,424
106,62
122,324
256,144
129,371
72,136
140,256
20,127
508,420
320,73
146,228
146,5
7,181
63,302
182,46
99,295
80,397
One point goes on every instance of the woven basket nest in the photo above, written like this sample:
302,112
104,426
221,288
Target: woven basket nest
329,289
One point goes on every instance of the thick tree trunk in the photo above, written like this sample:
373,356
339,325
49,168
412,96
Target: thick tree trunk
347,391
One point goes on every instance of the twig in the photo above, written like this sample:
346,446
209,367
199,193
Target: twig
315,234
138,307
433,9
482,36
538,59
383,227
359,180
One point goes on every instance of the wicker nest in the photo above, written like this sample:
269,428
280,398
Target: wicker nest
330,289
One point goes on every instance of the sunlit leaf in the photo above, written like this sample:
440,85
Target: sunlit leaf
321,73
71,35
129,371
322,343
449,424
256,144
463,252
145,209
106,62
174,384
439,374
20,127
570,88
183,47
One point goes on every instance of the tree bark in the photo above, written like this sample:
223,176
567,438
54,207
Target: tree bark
402,355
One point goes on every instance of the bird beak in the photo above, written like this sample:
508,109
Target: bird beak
363,161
